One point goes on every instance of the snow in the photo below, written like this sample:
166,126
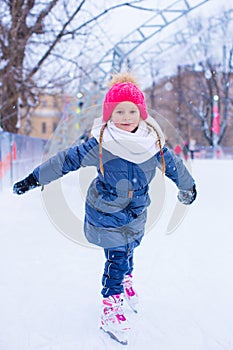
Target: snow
50,286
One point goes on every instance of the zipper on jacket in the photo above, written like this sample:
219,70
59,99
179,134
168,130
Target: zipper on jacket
130,180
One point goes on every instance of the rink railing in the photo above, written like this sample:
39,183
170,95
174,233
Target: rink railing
223,152
19,154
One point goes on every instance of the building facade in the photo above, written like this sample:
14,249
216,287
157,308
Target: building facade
43,120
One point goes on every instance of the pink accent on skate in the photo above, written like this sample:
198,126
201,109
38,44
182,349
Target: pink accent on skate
107,303
128,286
120,317
130,292
112,299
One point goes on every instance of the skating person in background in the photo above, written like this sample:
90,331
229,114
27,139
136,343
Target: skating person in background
127,145
178,150
192,147
185,150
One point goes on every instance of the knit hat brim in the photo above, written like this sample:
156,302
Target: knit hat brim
122,92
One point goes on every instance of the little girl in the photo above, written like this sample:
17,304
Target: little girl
126,147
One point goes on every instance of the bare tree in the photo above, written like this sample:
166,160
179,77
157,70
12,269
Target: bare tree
204,87
36,39
204,96
213,77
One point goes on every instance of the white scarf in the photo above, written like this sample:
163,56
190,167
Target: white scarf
135,147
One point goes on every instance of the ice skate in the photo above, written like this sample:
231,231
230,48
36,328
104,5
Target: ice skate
130,294
113,320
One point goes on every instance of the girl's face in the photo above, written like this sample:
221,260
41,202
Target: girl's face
126,116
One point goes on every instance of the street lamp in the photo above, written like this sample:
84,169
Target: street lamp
79,94
216,124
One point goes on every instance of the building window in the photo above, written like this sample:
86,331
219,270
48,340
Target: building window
44,103
43,128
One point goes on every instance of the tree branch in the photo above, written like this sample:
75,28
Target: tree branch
72,32
58,38
37,27
143,8
62,33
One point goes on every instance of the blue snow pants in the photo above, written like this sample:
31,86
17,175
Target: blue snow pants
119,262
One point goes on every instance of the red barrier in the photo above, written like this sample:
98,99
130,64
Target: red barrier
6,162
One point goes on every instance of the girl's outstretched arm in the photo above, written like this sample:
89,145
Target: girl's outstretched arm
62,163
179,174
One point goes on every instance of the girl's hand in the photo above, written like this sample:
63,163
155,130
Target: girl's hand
187,196
25,185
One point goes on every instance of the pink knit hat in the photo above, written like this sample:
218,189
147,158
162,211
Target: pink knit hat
121,92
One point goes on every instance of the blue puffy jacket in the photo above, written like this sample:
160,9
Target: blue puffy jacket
115,210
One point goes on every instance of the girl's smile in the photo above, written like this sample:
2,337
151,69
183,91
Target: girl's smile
126,116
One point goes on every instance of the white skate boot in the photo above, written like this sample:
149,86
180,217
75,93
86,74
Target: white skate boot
130,294
113,320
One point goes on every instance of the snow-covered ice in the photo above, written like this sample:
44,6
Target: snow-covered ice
50,286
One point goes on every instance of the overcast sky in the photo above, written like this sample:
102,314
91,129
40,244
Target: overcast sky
123,21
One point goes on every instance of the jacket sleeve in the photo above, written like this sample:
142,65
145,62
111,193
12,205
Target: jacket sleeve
68,160
176,170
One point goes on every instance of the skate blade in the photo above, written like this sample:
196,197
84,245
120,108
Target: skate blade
133,309
114,337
